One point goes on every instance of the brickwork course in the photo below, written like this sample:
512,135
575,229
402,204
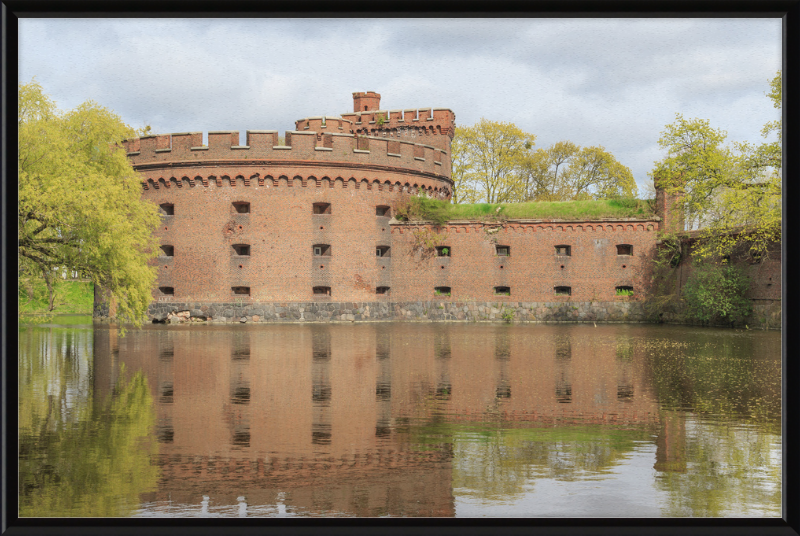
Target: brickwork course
302,223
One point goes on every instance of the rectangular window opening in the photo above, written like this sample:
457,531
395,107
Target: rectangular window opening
624,249
241,207
441,291
564,250
167,209
503,251
382,290
241,249
563,291
382,211
322,291
624,291
382,251
168,251
322,208
241,291
443,251
502,291
167,291
322,250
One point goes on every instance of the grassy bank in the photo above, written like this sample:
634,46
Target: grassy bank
71,297
420,208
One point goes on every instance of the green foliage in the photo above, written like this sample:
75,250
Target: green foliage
717,292
508,315
439,212
565,171
80,206
732,193
624,292
70,297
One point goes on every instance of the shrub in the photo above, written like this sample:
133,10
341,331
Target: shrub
716,292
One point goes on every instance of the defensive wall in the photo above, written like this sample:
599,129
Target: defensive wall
304,231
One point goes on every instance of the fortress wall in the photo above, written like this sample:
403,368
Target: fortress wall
593,270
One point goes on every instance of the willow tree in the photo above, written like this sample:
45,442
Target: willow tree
486,159
732,193
80,206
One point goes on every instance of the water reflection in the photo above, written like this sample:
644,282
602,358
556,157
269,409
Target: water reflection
445,420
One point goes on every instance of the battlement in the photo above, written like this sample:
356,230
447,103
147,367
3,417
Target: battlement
431,126
323,146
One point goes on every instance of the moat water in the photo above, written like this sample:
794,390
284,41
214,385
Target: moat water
398,419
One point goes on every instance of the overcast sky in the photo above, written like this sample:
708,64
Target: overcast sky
609,82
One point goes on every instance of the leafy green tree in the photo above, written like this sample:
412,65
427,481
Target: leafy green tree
486,159
732,193
566,172
717,292
80,206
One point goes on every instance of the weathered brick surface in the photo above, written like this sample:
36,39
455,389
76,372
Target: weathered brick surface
355,163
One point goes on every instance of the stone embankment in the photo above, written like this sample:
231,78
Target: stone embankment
434,310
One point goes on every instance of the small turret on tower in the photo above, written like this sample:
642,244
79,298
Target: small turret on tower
366,101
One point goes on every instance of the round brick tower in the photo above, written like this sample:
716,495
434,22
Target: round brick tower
299,222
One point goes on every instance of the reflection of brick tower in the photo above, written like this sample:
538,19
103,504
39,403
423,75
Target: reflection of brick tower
366,101
669,207
671,443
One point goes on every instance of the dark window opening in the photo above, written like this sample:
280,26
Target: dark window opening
167,209
322,208
502,291
382,290
322,250
167,291
443,251
443,391
564,393
382,211
625,393
240,395
322,291
321,434
563,250
563,291
382,251
165,434
241,249
503,251
241,207
624,291
241,291
241,438
503,391
624,249
167,393
383,391
168,251
441,291
320,392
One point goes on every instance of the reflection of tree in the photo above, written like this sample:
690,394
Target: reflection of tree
79,457
731,471
495,461
732,376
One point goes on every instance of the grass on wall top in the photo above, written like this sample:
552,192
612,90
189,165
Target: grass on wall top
424,209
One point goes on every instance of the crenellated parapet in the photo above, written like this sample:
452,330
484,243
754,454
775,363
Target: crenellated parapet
432,126
301,147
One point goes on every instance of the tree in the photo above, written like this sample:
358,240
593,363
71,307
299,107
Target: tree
732,193
80,206
486,158
565,172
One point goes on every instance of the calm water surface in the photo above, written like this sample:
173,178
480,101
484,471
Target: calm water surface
435,420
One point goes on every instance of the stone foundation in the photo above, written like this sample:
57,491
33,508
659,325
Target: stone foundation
436,311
